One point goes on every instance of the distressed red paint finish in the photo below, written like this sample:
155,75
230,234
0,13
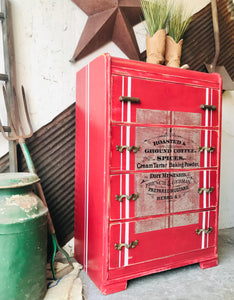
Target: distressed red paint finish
152,205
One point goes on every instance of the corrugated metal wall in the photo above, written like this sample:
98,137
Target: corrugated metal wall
199,48
4,163
53,147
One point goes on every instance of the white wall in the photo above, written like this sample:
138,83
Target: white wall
227,162
45,36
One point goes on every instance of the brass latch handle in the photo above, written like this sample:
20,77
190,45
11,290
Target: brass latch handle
131,245
209,107
209,190
208,149
199,231
130,99
131,197
132,148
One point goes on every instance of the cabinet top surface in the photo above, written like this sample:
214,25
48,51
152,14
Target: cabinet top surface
127,67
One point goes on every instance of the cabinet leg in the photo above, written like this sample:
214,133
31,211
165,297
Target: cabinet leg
209,263
113,288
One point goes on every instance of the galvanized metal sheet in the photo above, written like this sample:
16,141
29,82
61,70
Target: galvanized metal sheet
4,163
52,149
199,45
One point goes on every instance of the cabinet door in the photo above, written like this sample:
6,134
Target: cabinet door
152,148
158,193
162,102
153,238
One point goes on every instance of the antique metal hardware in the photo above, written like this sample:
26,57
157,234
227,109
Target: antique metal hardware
131,99
132,148
131,197
209,107
131,245
209,190
199,231
208,149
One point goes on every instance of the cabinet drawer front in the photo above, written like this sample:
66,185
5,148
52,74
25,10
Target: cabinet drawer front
153,148
158,193
135,242
163,103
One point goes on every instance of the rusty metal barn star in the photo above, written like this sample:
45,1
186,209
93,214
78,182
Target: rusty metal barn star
109,20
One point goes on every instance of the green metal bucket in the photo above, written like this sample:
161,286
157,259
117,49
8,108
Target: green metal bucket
23,238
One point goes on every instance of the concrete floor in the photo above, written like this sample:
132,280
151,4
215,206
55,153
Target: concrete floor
186,283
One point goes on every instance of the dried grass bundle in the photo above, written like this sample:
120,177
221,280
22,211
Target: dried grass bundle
156,14
178,21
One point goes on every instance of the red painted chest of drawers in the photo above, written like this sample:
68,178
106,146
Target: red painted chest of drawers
147,169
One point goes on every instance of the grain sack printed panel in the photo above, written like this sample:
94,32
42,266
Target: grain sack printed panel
172,235
179,104
164,148
154,148
159,193
149,116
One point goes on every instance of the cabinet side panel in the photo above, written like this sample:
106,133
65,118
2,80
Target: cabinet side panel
97,168
81,96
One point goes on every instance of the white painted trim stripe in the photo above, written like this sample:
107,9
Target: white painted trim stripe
211,103
206,111
85,192
127,169
209,183
205,172
121,176
87,175
211,116
204,214
208,225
